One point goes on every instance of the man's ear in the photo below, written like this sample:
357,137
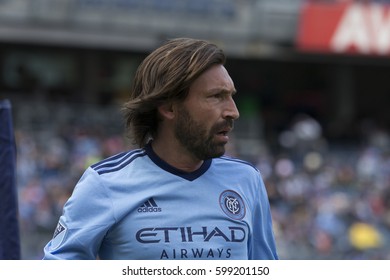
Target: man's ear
166,111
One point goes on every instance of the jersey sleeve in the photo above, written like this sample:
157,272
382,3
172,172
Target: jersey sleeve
86,218
262,244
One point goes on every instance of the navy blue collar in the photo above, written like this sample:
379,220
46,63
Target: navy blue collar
190,176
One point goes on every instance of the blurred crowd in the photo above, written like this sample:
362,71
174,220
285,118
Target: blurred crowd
328,201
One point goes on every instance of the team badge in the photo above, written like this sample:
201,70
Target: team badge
232,204
59,235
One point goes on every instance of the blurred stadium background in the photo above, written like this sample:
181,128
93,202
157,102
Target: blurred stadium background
314,95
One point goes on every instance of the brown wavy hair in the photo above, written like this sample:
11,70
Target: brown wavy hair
166,76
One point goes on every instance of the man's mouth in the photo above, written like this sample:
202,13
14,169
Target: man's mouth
224,129
223,132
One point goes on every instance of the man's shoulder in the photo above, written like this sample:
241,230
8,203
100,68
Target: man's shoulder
229,161
118,161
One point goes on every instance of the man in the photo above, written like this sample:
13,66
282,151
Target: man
177,196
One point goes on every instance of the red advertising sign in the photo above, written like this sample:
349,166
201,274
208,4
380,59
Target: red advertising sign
345,28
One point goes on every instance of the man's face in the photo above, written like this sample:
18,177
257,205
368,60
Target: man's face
206,117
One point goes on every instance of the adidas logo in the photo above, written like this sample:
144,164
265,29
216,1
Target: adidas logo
149,206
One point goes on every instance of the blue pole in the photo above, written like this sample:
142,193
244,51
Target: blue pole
9,227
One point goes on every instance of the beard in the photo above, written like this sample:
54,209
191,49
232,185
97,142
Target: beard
197,139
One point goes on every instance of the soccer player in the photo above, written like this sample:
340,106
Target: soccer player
177,196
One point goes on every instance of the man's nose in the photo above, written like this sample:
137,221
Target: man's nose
231,110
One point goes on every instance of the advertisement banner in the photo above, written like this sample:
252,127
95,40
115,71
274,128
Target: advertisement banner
345,28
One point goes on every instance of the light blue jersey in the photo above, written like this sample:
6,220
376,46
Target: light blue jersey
136,206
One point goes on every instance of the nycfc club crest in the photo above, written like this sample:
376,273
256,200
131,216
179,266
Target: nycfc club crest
59,236
232,204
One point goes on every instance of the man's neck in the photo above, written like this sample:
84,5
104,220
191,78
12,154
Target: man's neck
176,155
